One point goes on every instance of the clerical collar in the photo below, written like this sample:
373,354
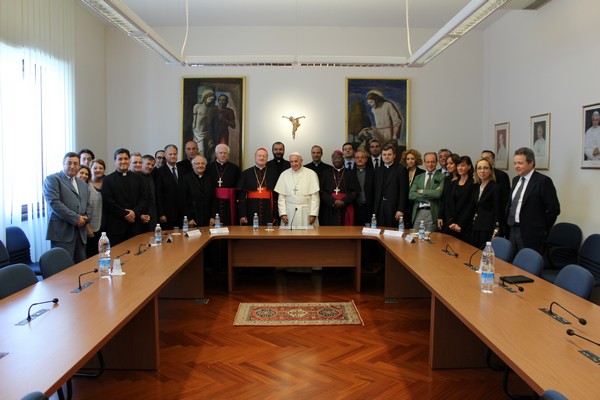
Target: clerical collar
260,168
387,165
222,163
339,169
199,176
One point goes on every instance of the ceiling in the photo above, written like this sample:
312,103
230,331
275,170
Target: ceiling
332,13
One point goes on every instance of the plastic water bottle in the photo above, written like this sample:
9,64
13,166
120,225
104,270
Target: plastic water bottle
373,221
158,234
104,256
401,225
217,221
255,222
186,224
422,230
488,260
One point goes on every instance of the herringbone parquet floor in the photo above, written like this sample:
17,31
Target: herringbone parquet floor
203,356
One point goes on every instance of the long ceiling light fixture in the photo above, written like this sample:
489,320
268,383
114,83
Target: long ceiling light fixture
466,19
127,21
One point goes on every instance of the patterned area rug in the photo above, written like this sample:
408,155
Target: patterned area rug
272,314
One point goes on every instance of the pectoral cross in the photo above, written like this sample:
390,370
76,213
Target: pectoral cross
337,191
295,191
220,181
260,189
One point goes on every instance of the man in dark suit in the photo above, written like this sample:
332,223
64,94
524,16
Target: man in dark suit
348,151
170,202
278,163
191,151
502,180
125,198
366,179
317,165
375,150
68,199
533,206
391,189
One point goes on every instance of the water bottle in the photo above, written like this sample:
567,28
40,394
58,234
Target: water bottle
486,266
104,256
158,234
373,221
217,221
422,230
186,224
401,225
255,222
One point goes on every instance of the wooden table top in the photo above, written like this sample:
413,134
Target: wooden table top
47,351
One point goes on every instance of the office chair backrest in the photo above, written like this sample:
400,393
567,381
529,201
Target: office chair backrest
34,396
562,245
54,260
18,245
576,280
4,258
503,249
589,255
529,260
14,278
552,395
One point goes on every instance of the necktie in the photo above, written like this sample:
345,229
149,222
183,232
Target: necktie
348,164
175,173
428,183
74,183
515,202
376,163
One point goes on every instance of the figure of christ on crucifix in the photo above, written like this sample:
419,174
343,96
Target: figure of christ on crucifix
295,124
298,190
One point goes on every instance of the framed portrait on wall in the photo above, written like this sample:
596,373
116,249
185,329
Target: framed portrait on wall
539,140
591,136
377,108
501,138
213,113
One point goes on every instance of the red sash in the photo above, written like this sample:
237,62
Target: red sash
255,194
227,194
349,216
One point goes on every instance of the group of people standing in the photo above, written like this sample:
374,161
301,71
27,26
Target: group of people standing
470,201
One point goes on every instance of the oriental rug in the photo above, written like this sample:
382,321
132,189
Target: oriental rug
279,314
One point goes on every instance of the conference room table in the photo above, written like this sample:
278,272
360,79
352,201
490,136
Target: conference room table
120,315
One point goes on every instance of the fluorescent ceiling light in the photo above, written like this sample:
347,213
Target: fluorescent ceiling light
466,19
127,21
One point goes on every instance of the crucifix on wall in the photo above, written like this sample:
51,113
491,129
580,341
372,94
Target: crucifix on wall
295,124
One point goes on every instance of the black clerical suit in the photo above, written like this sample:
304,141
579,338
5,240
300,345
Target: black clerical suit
391,193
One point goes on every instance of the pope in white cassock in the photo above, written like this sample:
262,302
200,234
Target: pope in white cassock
298,189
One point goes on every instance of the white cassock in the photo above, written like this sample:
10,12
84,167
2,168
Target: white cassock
298,196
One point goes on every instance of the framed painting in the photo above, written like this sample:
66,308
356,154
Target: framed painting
213,113
591,136
377,108
539,139
501,138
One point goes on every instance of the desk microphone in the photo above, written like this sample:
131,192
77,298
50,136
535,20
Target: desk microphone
582,321
521,288
54,300
468,264
140,251
571,332
293,216
121,255
448,250
85,273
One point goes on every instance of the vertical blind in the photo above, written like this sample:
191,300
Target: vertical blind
37,46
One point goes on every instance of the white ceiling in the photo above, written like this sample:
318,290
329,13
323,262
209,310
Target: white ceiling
332,13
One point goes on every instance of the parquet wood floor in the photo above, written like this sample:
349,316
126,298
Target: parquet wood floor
203,356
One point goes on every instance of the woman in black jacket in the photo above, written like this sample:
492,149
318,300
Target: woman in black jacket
488,208
459,206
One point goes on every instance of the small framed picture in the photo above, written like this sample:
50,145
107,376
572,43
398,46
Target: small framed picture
501,136
591,136
540,140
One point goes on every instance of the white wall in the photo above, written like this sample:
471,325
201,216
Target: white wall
547,61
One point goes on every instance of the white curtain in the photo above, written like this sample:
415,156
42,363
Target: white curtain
37,46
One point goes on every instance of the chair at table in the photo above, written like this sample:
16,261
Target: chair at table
552,395
576,280
54,260
529,260
14,278
19,248
561,249
34,396
589,256
4,258
503,249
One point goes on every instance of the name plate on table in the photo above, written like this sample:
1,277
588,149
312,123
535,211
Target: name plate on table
295,228
389,232
194,232
409,238
219,231
371,231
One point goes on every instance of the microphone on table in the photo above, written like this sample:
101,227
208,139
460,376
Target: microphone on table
521,288
54,300
140,251
468,264
582,321
450,251
85,273
571,332
293,216
121,255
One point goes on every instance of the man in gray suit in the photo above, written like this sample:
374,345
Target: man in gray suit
68,200
426,192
